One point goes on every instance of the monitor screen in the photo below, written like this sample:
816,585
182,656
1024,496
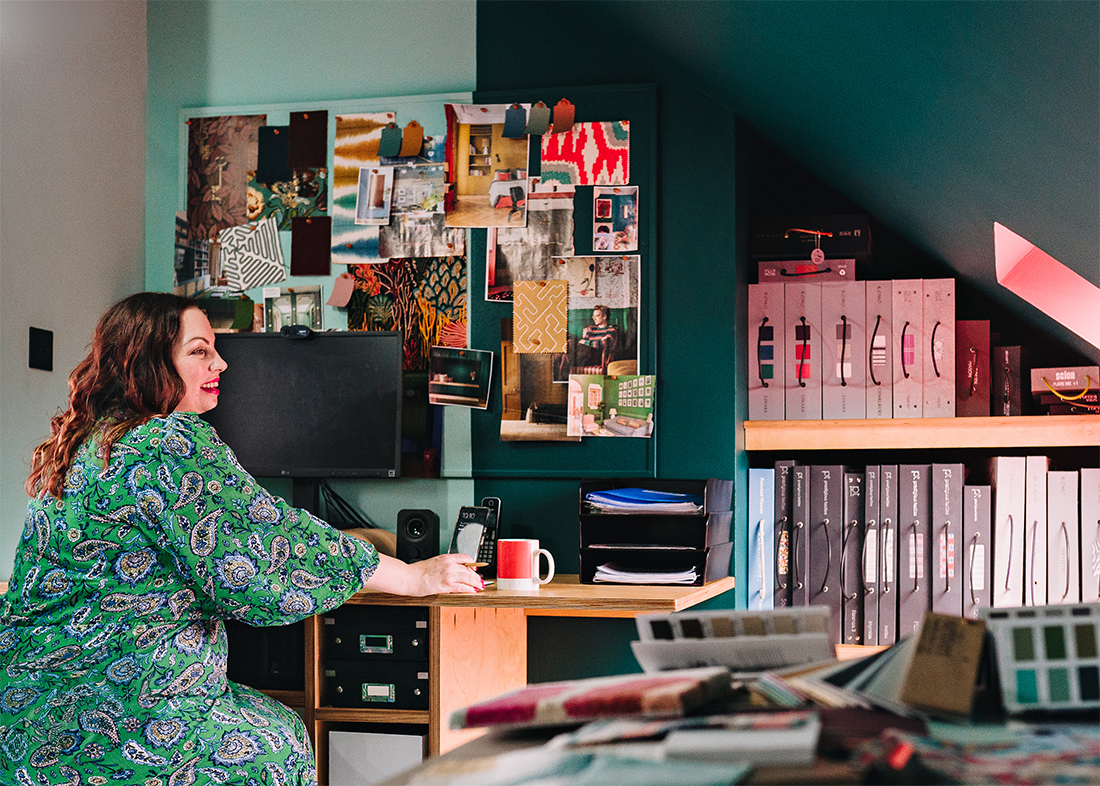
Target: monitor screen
326,406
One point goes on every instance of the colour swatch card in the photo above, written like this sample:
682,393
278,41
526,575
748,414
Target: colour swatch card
743,641
1047,656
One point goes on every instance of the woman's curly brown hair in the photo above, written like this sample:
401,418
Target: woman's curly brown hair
128,377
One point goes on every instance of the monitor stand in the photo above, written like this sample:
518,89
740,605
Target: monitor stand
306,493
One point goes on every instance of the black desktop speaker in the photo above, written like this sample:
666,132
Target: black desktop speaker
417,535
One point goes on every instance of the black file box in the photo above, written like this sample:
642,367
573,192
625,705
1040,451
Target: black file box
376,633
377,684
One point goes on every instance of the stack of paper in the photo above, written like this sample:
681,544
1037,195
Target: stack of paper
639,500
755,738
610,573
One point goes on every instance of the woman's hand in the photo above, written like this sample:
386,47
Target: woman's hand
443,574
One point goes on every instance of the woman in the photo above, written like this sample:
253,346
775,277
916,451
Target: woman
142,534
593,349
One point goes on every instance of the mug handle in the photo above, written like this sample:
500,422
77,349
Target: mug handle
549,566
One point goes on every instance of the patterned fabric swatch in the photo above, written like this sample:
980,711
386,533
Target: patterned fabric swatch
251,255
423,298
590,154
221,151
356,145
539,316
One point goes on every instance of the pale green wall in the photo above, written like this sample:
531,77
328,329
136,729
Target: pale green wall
243,53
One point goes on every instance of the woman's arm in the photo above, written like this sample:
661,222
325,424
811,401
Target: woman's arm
445,573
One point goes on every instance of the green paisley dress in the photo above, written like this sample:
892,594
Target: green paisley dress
112,645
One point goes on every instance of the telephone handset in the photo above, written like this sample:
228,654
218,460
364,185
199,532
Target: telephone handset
476,532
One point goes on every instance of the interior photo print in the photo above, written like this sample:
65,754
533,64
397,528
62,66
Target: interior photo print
603,316
459,377
489,173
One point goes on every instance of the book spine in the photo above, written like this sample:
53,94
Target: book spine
826,532
782,507
800,535
1064,545
939,351
761,538
907,313
914,504
843,338
947,537
972,368
802,385
1090,535
977,562
878,355
1035,530
766,351
851,559
872,538
888,555
1007,381
1007,479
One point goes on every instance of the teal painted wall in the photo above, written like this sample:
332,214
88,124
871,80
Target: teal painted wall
938,118
935,118
699,205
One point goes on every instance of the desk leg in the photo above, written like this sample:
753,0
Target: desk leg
477,653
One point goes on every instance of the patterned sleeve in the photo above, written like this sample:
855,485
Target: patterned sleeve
259,559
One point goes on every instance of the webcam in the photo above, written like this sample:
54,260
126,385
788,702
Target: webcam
296,331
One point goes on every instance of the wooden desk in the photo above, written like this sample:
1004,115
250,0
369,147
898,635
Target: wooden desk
478,648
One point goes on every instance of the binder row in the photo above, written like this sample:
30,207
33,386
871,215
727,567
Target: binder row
852,349
882,545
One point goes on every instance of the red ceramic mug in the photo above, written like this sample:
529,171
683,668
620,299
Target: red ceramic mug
518,564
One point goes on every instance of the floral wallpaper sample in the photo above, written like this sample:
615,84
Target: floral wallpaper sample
221,152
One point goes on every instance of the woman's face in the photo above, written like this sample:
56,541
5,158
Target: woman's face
598,317
197,362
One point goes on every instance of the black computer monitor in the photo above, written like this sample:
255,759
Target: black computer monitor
324,406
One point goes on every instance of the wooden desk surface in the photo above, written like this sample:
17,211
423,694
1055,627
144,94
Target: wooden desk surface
566,596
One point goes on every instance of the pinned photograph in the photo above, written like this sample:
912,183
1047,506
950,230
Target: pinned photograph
603,317
526,253
533,408
605,406
372,205
460,377
489,173
615,218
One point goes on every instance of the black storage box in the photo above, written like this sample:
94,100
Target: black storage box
661,541
794,238
376,633
377,684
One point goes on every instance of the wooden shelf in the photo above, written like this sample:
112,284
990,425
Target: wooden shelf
357,715
909,433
